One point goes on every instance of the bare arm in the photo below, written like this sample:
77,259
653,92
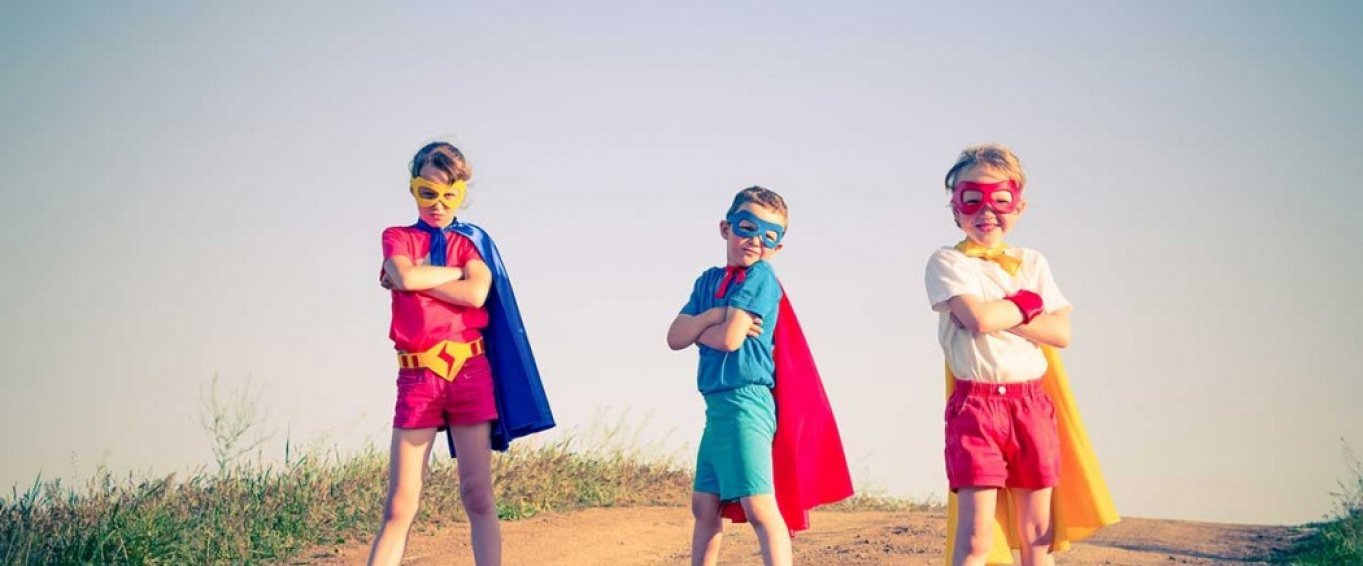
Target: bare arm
729,335
984,317
1051,329
686,329
471,291
404,275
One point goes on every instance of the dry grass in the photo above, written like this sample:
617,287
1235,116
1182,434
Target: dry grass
256,514
1338,540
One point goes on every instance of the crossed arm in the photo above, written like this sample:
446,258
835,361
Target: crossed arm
983,317
721,328
467,286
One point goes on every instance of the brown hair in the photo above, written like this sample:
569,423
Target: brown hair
992,155
763,196
445,157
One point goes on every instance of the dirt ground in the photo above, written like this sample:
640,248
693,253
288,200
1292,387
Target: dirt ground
661,535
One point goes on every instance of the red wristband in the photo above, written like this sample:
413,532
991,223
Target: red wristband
1029,303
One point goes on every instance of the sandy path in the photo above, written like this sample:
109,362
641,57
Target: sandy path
660,535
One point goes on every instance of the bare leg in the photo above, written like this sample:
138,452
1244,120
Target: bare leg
1034,525
709,529
473,445
770,527
974,525
407,457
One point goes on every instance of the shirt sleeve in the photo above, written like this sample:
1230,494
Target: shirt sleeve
692,306
760,292
396,243
1046,287
464,251
948,276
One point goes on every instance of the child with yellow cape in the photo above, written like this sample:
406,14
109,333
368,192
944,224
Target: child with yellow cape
1080,505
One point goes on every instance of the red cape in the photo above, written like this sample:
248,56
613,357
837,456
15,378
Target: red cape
807,459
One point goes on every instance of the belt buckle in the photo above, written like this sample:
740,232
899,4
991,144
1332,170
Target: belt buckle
446,358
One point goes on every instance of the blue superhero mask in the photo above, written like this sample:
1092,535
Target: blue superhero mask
770,232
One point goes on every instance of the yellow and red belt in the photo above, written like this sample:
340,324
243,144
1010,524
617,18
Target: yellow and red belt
445,358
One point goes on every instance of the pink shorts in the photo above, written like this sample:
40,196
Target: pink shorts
426,400
1001,435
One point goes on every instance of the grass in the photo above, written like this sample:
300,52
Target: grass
1338,540
259,514
262,514
252,513
876,500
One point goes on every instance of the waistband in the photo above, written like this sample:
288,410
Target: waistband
445,358
1017,389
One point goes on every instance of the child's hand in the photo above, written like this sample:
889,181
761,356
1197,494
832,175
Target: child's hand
756,329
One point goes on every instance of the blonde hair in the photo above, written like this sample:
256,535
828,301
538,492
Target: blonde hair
445,157
763,196
992,155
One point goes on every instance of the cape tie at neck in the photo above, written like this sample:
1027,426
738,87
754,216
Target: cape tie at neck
996,254
733,273
439,243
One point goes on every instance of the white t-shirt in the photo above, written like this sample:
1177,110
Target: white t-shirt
998,357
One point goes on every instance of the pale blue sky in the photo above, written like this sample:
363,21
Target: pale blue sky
190,190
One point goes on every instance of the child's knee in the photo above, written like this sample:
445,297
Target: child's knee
977,545
477,499
1035,531
705,507
401,508
762,511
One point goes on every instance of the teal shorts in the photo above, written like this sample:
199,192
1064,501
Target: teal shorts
735,451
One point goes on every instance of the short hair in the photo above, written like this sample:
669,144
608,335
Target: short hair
992,155
443,156
763,196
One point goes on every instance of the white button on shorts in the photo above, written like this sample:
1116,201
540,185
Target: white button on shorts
1002,390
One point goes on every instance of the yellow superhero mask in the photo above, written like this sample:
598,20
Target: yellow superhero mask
428,192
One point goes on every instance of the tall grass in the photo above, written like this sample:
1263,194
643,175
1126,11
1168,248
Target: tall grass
1338,540
256,513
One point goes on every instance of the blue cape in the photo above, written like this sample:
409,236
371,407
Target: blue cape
522,406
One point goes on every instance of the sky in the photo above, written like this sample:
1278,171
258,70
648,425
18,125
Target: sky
197,190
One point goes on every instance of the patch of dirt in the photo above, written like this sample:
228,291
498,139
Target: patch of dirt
661,535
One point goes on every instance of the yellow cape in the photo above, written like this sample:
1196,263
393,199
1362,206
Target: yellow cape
1080,505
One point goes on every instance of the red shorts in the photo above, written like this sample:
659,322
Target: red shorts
1001,435
426,400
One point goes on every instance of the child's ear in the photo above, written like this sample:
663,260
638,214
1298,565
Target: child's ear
724,229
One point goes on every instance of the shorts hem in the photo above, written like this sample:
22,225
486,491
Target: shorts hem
747,493
474,420
1042,483
994,482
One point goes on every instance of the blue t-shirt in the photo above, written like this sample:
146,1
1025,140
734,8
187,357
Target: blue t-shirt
751,364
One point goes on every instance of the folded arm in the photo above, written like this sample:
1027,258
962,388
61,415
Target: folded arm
405,275
983,317
686,329
1051,329
728,336
471,291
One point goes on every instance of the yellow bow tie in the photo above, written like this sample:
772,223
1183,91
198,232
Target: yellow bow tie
996,254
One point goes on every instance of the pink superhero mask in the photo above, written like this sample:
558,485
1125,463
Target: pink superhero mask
1001,197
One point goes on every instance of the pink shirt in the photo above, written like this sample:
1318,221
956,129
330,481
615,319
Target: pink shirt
420,321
